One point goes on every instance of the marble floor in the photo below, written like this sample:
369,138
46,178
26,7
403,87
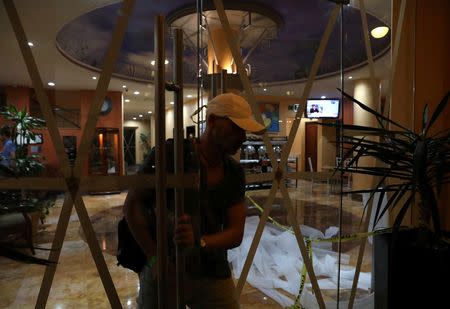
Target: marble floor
77,284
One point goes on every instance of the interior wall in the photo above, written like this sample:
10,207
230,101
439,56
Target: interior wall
402,98
422,73
432,78
189,107
326,137
20,97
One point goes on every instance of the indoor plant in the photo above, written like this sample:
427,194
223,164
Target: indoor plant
21,126
419,164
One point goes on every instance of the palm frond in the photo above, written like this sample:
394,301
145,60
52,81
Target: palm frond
375,113
438,111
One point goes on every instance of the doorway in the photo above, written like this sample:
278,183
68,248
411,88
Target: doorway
311,146
129,147
104,155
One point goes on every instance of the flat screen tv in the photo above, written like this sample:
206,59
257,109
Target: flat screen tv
322,108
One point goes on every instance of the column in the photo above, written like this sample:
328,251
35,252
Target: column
363,93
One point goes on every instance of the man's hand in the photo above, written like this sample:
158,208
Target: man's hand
184,233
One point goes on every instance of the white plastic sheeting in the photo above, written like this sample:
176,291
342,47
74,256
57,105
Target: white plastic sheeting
278,264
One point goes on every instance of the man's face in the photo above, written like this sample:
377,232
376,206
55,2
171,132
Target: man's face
228,137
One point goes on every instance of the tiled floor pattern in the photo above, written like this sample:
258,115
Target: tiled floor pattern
77,284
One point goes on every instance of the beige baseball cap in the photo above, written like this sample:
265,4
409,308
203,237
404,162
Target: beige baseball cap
237,109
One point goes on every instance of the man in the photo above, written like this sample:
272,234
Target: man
313,109
8,150
215,215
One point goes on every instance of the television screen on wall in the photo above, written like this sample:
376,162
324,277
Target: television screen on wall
322,108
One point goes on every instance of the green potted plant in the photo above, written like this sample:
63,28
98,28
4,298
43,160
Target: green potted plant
419,164
30,204
146,143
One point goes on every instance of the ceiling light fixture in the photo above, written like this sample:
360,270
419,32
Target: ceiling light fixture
265,89
140,116
136,92
323,97
189,96
30,44
350,77
379,32
127,100
134,118
124,86
51,84
149,112
94,77
171,103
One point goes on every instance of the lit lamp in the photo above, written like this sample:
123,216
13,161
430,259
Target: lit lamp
252,25
379,32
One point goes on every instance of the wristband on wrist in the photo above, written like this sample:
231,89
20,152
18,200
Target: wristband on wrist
152,261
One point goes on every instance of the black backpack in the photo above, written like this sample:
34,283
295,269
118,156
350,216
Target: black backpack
129,253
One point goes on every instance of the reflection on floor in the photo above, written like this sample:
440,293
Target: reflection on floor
77,285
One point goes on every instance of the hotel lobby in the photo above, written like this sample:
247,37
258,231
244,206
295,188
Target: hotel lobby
94,66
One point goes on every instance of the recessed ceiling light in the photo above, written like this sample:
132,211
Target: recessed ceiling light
134,118
171,103
136,92
152,62
30,44
149,112
141,116
265,89
127,100
124,86
51,84
323,97
189,96
350,77
94,77
379,32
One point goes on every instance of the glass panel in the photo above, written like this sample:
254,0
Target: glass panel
277,46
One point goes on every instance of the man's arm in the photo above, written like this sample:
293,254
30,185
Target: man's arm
137,223
233,231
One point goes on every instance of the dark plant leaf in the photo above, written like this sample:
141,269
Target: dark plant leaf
438,111
377,210
440,132
394,200
403,210
424,118
373,112
380,212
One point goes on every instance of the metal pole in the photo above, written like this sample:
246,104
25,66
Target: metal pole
179,157
160,174
223,81
213,82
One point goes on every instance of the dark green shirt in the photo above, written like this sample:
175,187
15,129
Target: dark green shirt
206,206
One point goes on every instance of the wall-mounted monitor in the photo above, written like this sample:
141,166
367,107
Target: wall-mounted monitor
322,108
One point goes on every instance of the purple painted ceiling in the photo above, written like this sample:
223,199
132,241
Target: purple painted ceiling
287,57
